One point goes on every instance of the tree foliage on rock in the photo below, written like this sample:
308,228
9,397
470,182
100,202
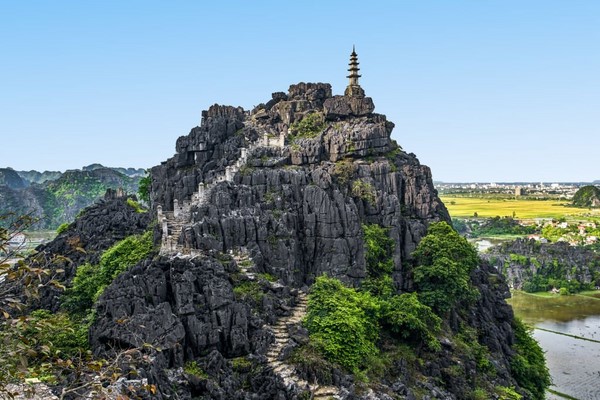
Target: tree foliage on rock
587,196
53,347
528,365
444,261
342,322
91,280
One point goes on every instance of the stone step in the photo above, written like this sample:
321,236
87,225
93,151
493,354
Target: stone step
278,369
326,391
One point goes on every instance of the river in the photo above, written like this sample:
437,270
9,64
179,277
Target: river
568,329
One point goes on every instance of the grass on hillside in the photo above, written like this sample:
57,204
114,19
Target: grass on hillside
523,209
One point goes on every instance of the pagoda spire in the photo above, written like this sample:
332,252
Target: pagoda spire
353,89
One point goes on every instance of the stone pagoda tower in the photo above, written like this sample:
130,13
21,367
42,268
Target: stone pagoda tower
353,89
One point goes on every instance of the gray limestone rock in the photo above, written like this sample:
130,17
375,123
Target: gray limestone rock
293,211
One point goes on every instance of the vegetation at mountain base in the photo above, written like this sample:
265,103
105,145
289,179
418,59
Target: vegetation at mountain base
52,347
353,327
528,365
587,196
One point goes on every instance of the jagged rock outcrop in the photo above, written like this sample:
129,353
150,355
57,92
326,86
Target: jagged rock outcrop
524,261
299,207
97,229
295,210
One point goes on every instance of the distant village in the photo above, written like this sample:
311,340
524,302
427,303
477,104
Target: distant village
540,190
544,230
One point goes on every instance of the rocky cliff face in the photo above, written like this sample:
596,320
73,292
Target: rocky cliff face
536,266
100,226
253,207
298,208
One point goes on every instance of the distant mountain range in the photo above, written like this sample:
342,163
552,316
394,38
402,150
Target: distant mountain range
55,197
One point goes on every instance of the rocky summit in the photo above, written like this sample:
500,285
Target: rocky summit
287,254
253,207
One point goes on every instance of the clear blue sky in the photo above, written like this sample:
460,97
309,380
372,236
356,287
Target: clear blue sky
494,90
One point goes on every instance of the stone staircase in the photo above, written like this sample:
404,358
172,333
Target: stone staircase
244,263
286,371
282,338
173,222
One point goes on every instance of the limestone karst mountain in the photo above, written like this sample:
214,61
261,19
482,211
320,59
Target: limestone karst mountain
251,209
587,196
254,207
56,198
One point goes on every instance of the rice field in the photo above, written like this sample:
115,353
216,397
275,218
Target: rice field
464,207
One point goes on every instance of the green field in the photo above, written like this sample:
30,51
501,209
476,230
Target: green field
463,207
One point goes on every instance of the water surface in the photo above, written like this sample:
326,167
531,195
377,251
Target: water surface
574,363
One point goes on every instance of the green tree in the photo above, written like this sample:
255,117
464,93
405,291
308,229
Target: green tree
379,249
410,319
528,365
144,188
342,322
91,280
444,261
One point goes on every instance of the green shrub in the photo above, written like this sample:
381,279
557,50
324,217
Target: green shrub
308,127
80,296
91,280
125,254
507,393
479,394
528,365
379,249
144,188
444,262
342,322
135,205
62,228
59,331
344,170
241,364
364,190
33,345
563,291
249,289
410,319
192,368
381,287
267,277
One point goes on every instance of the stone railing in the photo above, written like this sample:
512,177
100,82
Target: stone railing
172,223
